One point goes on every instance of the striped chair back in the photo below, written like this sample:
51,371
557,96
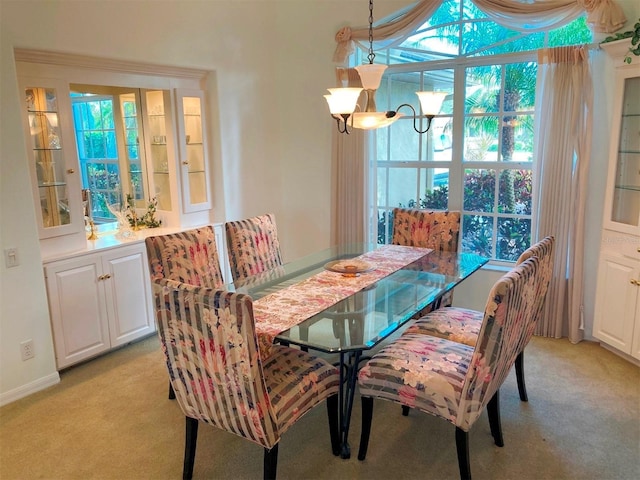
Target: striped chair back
253,246
544,251
188,257
209,341
511,302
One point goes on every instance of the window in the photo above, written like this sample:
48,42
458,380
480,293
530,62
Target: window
109,137
478,155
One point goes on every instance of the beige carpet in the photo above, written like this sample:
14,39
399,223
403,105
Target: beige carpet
110,419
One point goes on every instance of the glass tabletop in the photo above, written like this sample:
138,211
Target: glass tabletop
367,317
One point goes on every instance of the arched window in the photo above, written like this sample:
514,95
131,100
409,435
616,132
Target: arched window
478,155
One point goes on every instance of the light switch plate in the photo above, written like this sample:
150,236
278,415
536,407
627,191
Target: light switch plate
11,257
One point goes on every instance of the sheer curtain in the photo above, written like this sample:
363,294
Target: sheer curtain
349,184
563,123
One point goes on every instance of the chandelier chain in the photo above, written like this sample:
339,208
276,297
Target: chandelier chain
371,55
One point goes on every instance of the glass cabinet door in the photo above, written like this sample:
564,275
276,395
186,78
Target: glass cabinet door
193,150
159,138
626,190
59,212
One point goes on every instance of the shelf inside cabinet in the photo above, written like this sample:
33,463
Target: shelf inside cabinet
51,184
633,188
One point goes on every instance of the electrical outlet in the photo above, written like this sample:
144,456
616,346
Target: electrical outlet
27,350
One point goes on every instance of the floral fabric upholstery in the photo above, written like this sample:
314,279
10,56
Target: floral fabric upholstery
449,379
460,325
253,246
463,325
423,228
209,341
188,257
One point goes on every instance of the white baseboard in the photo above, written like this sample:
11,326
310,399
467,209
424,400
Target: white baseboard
31,387
623,355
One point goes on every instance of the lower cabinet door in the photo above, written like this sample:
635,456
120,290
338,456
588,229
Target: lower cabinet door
128,295
617,301
78,313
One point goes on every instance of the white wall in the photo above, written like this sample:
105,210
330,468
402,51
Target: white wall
272,63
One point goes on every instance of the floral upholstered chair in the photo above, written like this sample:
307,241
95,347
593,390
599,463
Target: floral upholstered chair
209,341
452,380
188,257
424,228
439,231
253,246
463,325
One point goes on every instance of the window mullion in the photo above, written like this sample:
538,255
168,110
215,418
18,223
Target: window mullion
456,174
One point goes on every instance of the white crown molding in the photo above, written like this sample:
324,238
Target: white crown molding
96,63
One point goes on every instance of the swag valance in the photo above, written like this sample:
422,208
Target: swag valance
604,16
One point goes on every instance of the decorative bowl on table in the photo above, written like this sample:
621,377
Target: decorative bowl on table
349,267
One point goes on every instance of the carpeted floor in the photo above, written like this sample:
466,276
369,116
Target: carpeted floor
110,419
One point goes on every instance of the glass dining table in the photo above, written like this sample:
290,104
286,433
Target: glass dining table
367,317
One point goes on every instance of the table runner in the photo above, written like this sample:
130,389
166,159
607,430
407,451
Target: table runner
286,308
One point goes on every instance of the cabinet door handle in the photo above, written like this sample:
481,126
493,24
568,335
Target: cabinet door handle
71,170
635,282
105,276
185,162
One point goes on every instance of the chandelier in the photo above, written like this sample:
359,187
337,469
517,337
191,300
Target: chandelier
343,102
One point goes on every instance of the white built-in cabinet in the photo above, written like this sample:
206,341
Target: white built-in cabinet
52,161
617,310
99,290
192,147
102,299
99,301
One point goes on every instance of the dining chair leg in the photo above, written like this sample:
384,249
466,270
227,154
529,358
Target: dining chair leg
493,409
191,438
270,462
522,388
304,335
334,429
462,446
367,416
172,394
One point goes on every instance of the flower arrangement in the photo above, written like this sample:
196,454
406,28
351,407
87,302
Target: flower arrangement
148,220
149,217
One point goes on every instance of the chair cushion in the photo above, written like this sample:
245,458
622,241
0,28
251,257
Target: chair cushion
420,371
456,324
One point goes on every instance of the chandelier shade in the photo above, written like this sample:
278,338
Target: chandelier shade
430,102
343,102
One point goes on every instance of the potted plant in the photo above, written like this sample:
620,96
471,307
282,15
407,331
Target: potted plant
634,35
